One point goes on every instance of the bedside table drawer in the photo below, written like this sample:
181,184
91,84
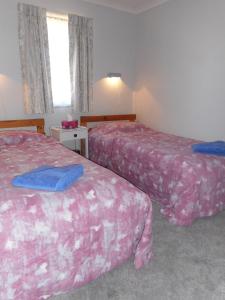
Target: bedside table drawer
71,135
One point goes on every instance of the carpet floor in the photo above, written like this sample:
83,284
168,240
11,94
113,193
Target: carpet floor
188,263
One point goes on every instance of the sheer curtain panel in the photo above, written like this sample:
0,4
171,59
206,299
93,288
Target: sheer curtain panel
35,62
81,62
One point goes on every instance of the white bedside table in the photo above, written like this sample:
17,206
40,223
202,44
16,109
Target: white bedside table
79,133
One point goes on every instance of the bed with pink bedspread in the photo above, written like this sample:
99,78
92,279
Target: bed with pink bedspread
51,242
187,185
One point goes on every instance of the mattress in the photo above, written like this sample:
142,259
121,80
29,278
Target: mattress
187,185
51,242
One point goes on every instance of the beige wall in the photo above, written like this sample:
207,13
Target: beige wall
181,68
113,40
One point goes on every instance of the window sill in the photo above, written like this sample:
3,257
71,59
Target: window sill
63,106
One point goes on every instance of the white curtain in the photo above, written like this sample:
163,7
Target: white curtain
35,62
81,62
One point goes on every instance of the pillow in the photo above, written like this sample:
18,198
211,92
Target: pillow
29,136
14,137
120,126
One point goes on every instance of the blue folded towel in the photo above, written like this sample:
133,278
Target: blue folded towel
215,148
49,178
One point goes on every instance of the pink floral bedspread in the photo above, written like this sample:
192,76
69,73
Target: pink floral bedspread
51,242
187,185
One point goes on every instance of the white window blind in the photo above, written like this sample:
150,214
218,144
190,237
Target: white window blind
59,59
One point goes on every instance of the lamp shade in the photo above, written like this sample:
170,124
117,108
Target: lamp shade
111,74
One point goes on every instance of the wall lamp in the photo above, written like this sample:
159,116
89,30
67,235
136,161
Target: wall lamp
114,75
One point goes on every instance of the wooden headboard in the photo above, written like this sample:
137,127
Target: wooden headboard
89,119
38,123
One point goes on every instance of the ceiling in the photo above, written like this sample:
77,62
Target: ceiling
132,6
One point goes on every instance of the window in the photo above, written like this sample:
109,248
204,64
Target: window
58,37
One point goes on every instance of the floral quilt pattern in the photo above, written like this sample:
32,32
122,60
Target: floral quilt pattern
186,185
51,242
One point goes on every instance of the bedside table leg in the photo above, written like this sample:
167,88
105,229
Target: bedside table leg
86,147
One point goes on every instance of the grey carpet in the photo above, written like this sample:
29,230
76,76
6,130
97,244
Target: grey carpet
188,263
